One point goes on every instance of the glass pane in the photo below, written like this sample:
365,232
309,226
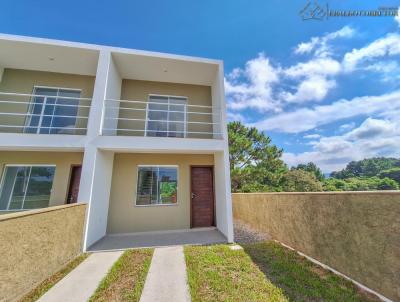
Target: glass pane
156,114
9,176
176,129
20,185
146,188
64,120
33,120
167,185
39,187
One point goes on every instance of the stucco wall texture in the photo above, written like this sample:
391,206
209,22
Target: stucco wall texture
123,214
356,233
36,244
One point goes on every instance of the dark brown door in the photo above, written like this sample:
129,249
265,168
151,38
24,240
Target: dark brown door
74,184
202,195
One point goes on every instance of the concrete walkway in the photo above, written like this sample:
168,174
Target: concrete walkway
167,279
80,283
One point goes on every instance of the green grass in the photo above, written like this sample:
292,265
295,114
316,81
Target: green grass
125,280
300,279
216,273
44,286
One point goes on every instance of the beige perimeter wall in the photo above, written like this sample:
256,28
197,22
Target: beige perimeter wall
140,90
62,160
358,234
36,244
125,217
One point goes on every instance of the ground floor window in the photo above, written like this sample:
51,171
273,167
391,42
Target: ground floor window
26,187
157,185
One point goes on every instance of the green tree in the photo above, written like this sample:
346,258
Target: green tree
393,173
360,184
255,163
300,181
367,167
334,184
312,168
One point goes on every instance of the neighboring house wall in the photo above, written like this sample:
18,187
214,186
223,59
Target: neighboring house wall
125,217
23,81
36,244
357,233
139,91
62,160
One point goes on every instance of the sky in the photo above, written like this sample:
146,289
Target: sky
326,91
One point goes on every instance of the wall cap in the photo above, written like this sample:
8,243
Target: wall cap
21,214
383,192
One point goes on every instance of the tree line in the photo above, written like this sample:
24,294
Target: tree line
256,166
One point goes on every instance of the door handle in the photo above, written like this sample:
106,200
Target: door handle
193,195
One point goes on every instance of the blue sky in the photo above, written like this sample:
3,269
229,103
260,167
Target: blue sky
325,91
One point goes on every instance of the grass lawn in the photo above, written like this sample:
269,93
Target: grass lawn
300,279
216,273
125,280
43,287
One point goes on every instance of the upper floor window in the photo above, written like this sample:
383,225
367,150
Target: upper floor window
166,116
26,187
53,111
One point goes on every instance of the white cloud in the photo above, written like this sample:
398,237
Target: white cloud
305,119
373,128
320,45
312,136
256,92
374,137
313,88
347,127
232,117
318,66
386,46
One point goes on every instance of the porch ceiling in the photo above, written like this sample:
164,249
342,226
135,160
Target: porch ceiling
47,57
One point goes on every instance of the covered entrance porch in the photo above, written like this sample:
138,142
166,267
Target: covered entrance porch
158,239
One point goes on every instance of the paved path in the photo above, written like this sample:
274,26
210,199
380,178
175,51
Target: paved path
81,282
167,279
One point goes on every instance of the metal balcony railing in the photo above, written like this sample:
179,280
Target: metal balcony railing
160,119
43,114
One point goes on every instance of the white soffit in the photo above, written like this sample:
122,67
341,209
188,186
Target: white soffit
47,57
165,69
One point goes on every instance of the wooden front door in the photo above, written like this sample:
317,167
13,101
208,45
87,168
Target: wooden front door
202,197
74,181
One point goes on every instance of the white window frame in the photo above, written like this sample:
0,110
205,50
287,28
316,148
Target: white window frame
32,101
168,121
12,190
160,204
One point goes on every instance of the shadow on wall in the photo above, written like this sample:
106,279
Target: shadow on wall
300,279
358,234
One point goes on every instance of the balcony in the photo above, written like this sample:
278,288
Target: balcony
161,116
45,112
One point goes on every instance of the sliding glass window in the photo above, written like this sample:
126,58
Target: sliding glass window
166,116
157,185
53,111
26,187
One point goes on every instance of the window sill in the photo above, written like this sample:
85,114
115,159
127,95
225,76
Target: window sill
156,205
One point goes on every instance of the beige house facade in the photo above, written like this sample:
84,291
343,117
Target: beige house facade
138,136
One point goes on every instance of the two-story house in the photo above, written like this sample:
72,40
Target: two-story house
139,136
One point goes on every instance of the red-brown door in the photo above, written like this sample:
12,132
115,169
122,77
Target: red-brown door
73,190
202,195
